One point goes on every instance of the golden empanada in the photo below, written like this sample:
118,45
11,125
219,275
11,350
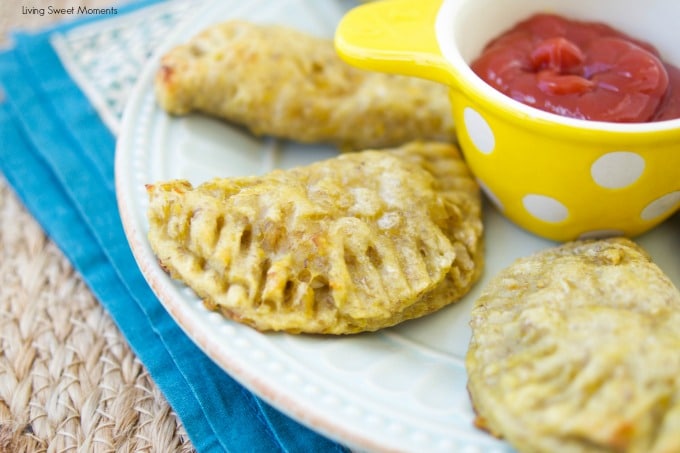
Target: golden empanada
354,243
281,82
577,349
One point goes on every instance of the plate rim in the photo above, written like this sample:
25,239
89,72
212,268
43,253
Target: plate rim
307,414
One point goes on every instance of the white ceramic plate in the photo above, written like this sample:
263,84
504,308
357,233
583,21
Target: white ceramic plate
402,389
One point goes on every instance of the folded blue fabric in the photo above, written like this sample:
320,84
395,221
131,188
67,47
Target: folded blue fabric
58,156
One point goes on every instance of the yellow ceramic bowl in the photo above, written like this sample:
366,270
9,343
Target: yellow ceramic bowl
557,177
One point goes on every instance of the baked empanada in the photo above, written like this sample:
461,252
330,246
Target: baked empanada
354,243
281,82
577,349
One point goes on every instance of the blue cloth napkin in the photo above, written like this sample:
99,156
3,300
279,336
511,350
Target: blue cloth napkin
58,156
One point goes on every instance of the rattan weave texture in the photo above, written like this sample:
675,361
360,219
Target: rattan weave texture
68,379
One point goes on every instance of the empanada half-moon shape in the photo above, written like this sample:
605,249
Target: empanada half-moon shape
355,243
281,82
577,349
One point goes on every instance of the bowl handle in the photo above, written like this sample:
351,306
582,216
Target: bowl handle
396,36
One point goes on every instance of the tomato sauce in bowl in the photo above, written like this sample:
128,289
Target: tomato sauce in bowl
583,70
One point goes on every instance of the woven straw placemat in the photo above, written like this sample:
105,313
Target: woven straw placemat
68,379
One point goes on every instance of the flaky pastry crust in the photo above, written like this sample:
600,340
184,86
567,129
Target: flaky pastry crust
281,82
355,243
577,349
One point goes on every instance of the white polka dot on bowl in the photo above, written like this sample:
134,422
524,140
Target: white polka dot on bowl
479,131
617,169
545,208
661,206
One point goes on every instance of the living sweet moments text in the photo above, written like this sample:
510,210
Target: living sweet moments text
73,10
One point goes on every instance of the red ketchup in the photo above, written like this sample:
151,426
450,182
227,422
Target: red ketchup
585,70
